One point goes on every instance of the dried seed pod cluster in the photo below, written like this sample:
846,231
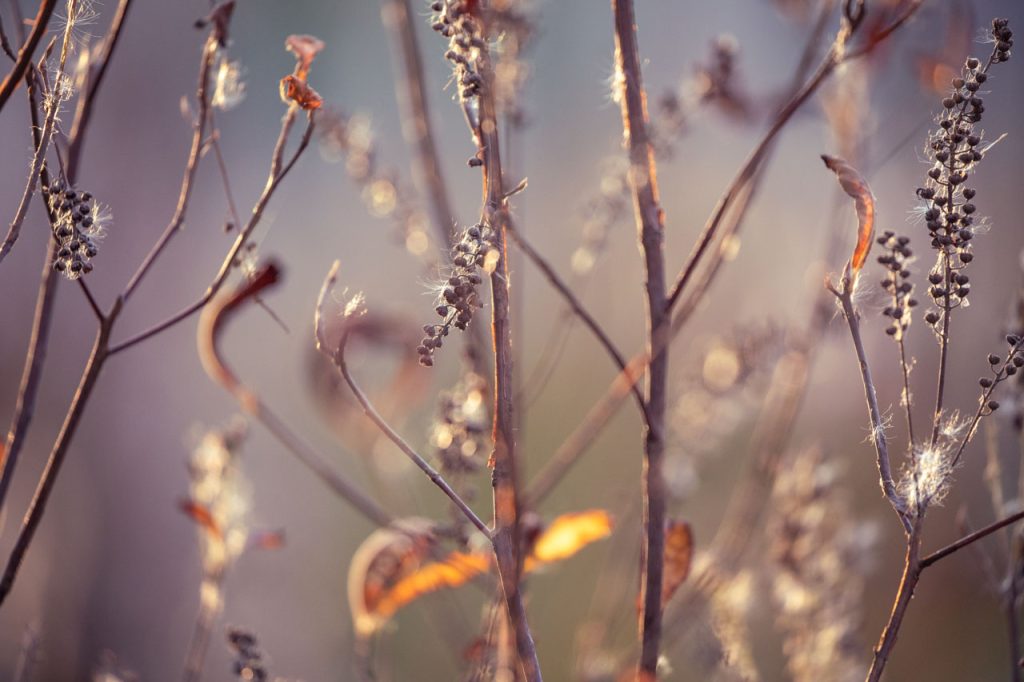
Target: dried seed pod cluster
77,223
955,147
454,20
897,282
1001,369
248,664
459,297
460,433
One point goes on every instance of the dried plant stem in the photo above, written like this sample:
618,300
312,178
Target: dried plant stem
368,409
103,349
279,169
733,202
504,477
844,294
970,539
21,65
32,374
397,16
52,108
49,476
983,408
577,307
191,167
90,82
211,324
202,631
650,227
908,582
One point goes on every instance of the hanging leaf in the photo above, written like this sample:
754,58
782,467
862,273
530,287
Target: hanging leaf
202,515
295,90
678,556
305,48
854,185
386,557
568,534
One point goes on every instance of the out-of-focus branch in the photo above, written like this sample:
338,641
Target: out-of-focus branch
577,307
24,60
397,16
279,170
211,324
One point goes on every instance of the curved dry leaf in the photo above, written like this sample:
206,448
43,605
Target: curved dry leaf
386,557
391,568
857,187
678,557
568,534
305,48
202,515
294,89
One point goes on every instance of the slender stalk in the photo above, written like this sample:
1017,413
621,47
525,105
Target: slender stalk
970,539
49,476
505,536
31,376
911,574
650,228
21,65
209,608
736,198
211,325
191,167
397,16
845,296
91,82
368,409
279,169
577,307
53,103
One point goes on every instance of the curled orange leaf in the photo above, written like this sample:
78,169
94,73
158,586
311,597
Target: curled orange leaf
678,556
568,534
393,567
857,187
202,515
296,90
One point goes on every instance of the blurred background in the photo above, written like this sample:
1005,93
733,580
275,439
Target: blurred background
115,566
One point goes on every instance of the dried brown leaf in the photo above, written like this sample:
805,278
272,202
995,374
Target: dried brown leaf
857,187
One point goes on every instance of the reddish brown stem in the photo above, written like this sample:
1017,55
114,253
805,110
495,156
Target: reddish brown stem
39,26
505,536
650,229
911,574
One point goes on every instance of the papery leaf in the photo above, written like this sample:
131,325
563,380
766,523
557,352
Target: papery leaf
202,515
392,567
678,557
568,534
296,90
857,187
266,539
386,557
305,48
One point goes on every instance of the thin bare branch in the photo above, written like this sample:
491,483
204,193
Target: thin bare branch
211,324
844,294
370,411
53,103
643,180
577,307
273,181
24,60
